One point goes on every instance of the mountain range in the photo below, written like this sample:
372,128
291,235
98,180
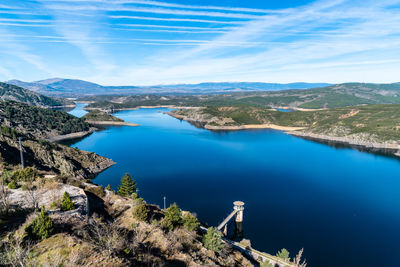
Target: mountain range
58,87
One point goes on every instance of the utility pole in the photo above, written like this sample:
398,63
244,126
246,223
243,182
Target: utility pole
164,201
20,153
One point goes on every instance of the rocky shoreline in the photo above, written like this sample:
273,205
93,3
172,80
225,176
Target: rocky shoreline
382,148
335,141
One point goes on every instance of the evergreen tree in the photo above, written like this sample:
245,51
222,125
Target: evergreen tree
41,227
212,240
190,222
66,203
140,212
128,186
283,254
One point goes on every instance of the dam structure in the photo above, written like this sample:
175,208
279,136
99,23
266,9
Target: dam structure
238,208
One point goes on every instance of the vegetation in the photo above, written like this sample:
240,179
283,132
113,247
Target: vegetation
128,185
377,123
172,217
283,254
38,122
28,174
212,240
97,115
66,203
12,185
190,222
12,92
41,227
140,212
266,263
339,95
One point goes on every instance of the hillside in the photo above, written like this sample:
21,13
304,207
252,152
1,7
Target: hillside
36,125
340,95
39,122
97,115
369,125
16,93
76,88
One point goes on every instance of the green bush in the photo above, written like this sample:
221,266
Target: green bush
212,240
26,175
190,222
41,227
12,185
172,217
66,203
128,186
283,254
140,212
53,206
173,213
266,264
166,224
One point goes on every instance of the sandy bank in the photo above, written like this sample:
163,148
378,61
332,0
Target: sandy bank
113,123
70,136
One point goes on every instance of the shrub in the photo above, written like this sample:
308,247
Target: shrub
53,206
66,203
283,254
12,185
26,175
128,186
172,217
41,227
166,224
212,240
173,213
266,263
190,222
140,212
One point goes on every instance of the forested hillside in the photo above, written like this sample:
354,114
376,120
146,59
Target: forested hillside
15,93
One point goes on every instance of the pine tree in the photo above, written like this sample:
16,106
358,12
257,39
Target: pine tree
128,186
41,227
283,254
66,203
212,240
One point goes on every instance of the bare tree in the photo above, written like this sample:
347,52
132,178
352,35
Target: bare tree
16,254
32,195
4,197
297,259
108,237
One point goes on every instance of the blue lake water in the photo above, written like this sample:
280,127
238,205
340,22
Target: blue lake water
341,205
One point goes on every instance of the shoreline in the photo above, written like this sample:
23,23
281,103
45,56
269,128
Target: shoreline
139,107
59,138
335,141
113,123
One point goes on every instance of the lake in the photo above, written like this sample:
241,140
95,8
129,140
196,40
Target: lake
341,205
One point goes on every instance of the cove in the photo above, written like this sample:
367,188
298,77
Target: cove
341,205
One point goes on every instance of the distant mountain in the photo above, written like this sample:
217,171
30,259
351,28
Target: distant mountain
339,95
19,94
75,88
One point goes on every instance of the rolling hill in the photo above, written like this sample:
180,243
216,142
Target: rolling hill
19,94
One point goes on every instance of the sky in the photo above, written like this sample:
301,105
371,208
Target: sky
146,42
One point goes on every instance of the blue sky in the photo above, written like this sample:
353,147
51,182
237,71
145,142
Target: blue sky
143,42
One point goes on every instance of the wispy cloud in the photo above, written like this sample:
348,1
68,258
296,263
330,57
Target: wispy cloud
173,5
